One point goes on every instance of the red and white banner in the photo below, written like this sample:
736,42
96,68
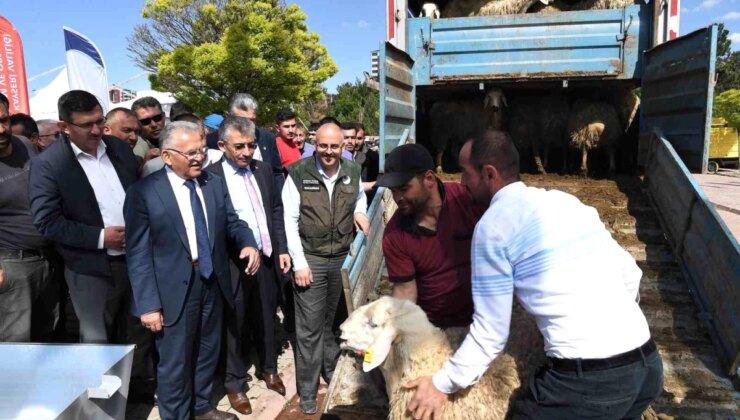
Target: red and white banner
12,68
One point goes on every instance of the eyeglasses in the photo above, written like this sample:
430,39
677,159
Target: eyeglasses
191,154
241,146
324,147
89,125
54,134
155,118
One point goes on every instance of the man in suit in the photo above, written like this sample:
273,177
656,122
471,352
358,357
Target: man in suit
178,222
257,202
77,188
244,105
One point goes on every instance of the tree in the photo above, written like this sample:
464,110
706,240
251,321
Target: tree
357,102
203,51
728,62
727,106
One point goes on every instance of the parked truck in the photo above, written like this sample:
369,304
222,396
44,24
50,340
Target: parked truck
690,291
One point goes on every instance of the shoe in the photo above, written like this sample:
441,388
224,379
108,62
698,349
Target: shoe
273,382
216,415
308,407
240,402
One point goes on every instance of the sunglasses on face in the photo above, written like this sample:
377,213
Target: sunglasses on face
155,118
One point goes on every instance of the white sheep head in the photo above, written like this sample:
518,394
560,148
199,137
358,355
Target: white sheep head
494,99
373,328
430,10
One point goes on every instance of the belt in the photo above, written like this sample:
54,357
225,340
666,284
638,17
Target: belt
622,359
19,254
117,257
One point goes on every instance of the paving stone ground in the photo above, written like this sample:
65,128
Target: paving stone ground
266,404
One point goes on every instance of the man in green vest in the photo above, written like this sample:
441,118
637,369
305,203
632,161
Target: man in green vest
323,202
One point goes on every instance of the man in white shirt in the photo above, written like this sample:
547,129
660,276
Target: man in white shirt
179,221
77,189
323,201
257,201
555,255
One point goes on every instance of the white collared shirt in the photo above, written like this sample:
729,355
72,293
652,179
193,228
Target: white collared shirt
240,198
292,211
106,185
554,254
182,195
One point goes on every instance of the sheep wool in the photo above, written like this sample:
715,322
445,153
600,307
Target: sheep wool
593,124
420,349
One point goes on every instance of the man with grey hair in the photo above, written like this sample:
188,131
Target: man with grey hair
48,133
258,202
244,105
178,223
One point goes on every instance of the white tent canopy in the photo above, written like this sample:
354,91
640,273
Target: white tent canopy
44,101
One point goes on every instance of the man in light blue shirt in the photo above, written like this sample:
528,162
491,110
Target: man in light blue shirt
554,254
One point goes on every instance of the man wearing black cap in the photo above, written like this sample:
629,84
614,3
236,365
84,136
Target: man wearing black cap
426,244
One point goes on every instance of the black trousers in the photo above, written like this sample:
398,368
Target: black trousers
103,306
251,323
622,392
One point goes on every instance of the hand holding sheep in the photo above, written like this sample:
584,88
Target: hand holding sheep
428,401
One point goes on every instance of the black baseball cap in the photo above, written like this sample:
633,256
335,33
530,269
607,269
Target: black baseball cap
403,163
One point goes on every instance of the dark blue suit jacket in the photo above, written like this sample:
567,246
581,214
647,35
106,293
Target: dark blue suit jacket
158,253
64,206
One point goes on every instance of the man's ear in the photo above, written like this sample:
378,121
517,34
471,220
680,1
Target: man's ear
379,350
63,127
222,146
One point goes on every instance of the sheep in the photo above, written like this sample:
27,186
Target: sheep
626,103
524,128
461,8
594,124
430,10
470,120
396,336
553,125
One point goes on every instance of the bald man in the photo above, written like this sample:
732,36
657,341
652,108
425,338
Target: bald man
323,203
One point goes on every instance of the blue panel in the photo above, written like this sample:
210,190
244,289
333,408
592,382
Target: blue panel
397,99
677,90
593,43
707,250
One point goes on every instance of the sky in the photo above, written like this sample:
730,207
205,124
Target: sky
350,29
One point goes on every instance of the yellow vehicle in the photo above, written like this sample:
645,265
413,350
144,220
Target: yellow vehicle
723,145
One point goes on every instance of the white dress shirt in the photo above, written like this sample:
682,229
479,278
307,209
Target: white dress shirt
240,197
107,187
554,254
292,211
182,195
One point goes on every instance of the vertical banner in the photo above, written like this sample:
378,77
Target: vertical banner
12,68
85,67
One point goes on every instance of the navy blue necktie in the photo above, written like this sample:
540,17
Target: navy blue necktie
205,264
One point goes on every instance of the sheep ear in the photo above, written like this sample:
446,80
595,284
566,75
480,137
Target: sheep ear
377,353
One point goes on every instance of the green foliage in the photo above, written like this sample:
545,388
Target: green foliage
728,73
727,106
203,51
357,102
724,45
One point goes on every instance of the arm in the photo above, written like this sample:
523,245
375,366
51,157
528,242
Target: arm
139,254
405,290
361,221
46,207
493,296
291,212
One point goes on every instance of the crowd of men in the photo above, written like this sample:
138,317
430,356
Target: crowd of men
179,236
177,233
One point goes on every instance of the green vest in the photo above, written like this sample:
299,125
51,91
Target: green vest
326,229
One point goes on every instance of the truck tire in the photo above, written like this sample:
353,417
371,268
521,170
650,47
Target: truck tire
712,167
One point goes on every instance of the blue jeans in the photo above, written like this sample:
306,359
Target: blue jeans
622,392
